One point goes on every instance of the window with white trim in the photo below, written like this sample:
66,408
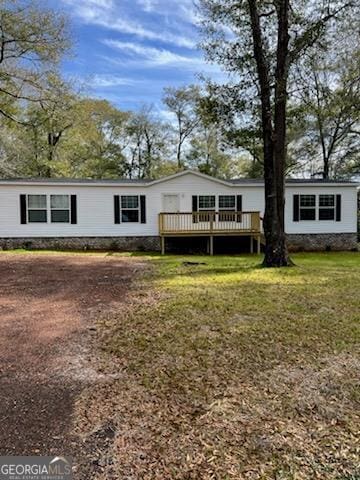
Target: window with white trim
227,205
60,208
36,209
227,202
130,208
207,202
326,207
307,207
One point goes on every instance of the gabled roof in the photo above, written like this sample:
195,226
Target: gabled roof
64,180
190,172
148,182
301,181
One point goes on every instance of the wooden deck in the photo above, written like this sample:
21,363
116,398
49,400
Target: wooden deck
210,224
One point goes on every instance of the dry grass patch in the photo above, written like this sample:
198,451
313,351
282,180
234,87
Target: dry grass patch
230,371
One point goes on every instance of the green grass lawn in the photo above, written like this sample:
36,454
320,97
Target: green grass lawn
232,371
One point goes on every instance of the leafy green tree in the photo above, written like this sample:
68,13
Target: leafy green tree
32,42
329,109
259,42
94,145
45,124
13,149
208,150
147,144
240,128
182,103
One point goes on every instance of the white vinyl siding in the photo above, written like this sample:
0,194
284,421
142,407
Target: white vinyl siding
95,206
348,223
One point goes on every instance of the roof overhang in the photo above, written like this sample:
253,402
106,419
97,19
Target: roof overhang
147,183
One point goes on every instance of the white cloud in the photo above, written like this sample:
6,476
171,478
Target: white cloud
156,57
167,116
105,14
110,80
190,14
148,5
90,9
137,29
185,10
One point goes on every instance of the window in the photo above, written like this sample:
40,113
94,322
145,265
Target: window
37,209
60,208
326,207
227,206
130,208
307,207
227,202
206,202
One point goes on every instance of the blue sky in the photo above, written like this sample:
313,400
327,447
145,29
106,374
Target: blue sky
126,51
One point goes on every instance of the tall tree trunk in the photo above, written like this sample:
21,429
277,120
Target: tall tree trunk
180,141
178,153
319,120
276,251
326,170
274,135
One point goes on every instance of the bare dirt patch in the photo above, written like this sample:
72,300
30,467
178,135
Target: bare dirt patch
48,306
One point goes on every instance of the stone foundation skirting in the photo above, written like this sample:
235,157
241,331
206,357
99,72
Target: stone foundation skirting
296,242
307,242
144,244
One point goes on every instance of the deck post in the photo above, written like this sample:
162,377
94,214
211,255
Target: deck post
162,245
251,244
258,244
211,244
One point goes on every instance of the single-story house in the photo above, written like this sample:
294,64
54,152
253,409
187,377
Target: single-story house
147,214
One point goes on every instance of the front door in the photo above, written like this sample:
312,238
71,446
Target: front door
171,203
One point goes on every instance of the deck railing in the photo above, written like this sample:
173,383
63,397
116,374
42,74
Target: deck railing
209,222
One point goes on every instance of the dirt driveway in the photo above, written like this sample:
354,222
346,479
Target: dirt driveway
48,303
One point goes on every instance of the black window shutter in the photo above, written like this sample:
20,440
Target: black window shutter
142,209
238,207
239,203
73,204
195,208
22,208
116,209
296,205
338,208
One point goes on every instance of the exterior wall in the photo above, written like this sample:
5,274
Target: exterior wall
313,242
95,209
95,213
95,206
141,244
348,223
